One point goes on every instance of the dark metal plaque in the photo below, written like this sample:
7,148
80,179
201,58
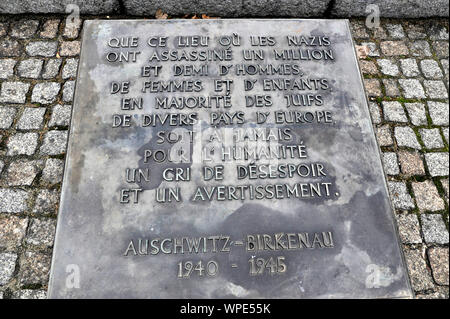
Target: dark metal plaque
222,159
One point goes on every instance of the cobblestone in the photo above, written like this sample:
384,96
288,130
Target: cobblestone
10,48
68,91
434,230
374,113
30,68
409,67
22,172
390,163
439,264
72,28
388,67
32,118
431,138
30,294
438,112
7,114
13,200
393,48
13,230
391,88
384,136
42,48
399,195
418,272
372,87
53,171
24,29
51,68
412,88
406,137
7,266
41,232
395,31
54,143
46,202
409,228
34,268
435,89
45,92
437,163
7,68
14,92
411,163
372,49
49,29
70,48
368,67
420,49
394,112
417,113
430,69
70,68
427,196
60,115
22,144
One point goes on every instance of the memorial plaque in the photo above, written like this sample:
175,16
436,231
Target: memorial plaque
223,159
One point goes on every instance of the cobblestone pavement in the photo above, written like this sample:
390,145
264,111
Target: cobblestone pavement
405,69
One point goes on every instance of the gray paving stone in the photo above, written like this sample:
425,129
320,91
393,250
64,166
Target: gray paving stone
2,164
438,257
68,91
13,230
405,136
7,266
24,28
372,87
412,88
391,88
70,68
400,196
384,136
22,172
51,68
46,202
437,163
49,29
30,68
394,112
441,48
42,48
411,163
358,29
417,113
438,32
372,49
34,268
431,138
41,232
445,133
395,31
430,69
13,200
10,48
420,48
30,294
54,143
409,67
388,67
415,30
433,229
14,92
7,114
418,272
439,113
60,115
32,118
368,67
427,196
46,92
435,89
408,228
22,144
7,68
444,63
3,28
53,171
390,163
375,112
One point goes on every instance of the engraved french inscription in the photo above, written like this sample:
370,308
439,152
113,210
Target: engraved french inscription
223,159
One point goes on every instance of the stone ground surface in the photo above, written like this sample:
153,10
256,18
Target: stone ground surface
405,70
